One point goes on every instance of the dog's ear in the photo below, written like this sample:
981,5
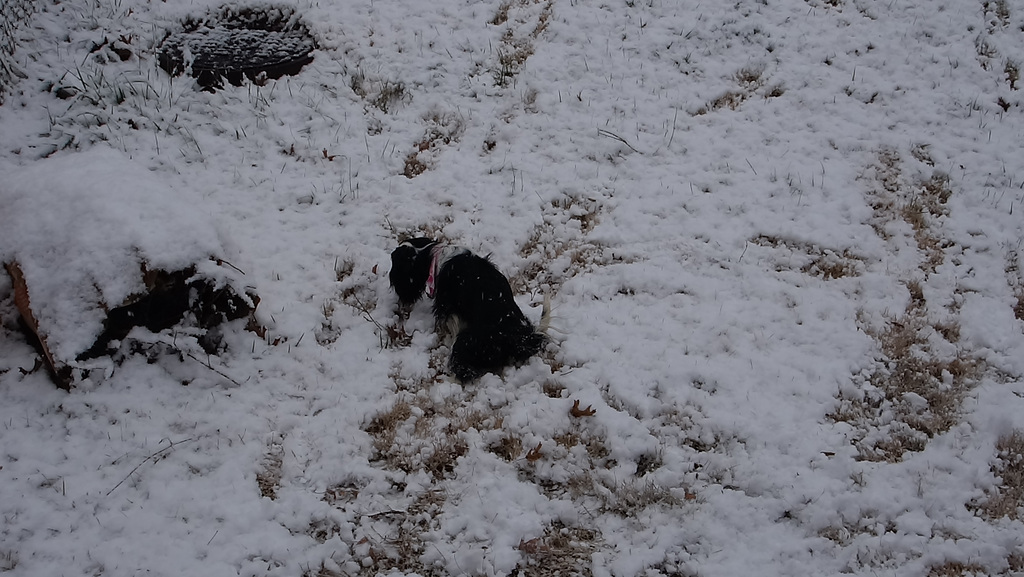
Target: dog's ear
410,267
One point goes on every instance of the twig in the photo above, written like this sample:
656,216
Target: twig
209,366
386,514
221,261
673,135
152,457
613,136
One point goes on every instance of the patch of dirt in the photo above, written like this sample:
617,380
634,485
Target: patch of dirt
268,479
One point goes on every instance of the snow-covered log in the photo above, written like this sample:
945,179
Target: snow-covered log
96,245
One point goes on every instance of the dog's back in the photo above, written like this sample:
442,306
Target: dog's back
494,332
472,288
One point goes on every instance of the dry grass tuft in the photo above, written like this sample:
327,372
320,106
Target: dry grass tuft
917,393
442,130
628,498
562,551
956,569
749,80
344,269
1016,563
501,16
401,549
1009,497
382,94
511,59
384,426
887,175
1016,280
446,452
921,153
917,387
524,24
576,436
730,99
585,211
750,77
927,203
509,447
997,12
434,230
553,389
8,560
323,530
1012,71
321,570
340,494
824,263
423,434
647,463
920,205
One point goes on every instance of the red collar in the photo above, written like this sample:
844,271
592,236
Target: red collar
435,252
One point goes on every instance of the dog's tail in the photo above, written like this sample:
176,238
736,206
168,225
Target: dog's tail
545,316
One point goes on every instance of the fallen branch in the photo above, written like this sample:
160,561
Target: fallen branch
152,457
613,136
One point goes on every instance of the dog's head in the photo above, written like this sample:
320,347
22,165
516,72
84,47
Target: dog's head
410,267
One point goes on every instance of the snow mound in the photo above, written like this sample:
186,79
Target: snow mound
85,228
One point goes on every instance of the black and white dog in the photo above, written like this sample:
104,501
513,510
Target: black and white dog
472,299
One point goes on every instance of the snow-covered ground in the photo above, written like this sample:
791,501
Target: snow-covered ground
780,239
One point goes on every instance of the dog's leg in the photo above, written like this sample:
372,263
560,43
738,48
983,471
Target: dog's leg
465,361
477,351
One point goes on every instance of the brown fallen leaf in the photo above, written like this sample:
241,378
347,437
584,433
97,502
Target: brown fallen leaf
577,412
533,546
535,453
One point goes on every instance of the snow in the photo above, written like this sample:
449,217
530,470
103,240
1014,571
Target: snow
712,195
